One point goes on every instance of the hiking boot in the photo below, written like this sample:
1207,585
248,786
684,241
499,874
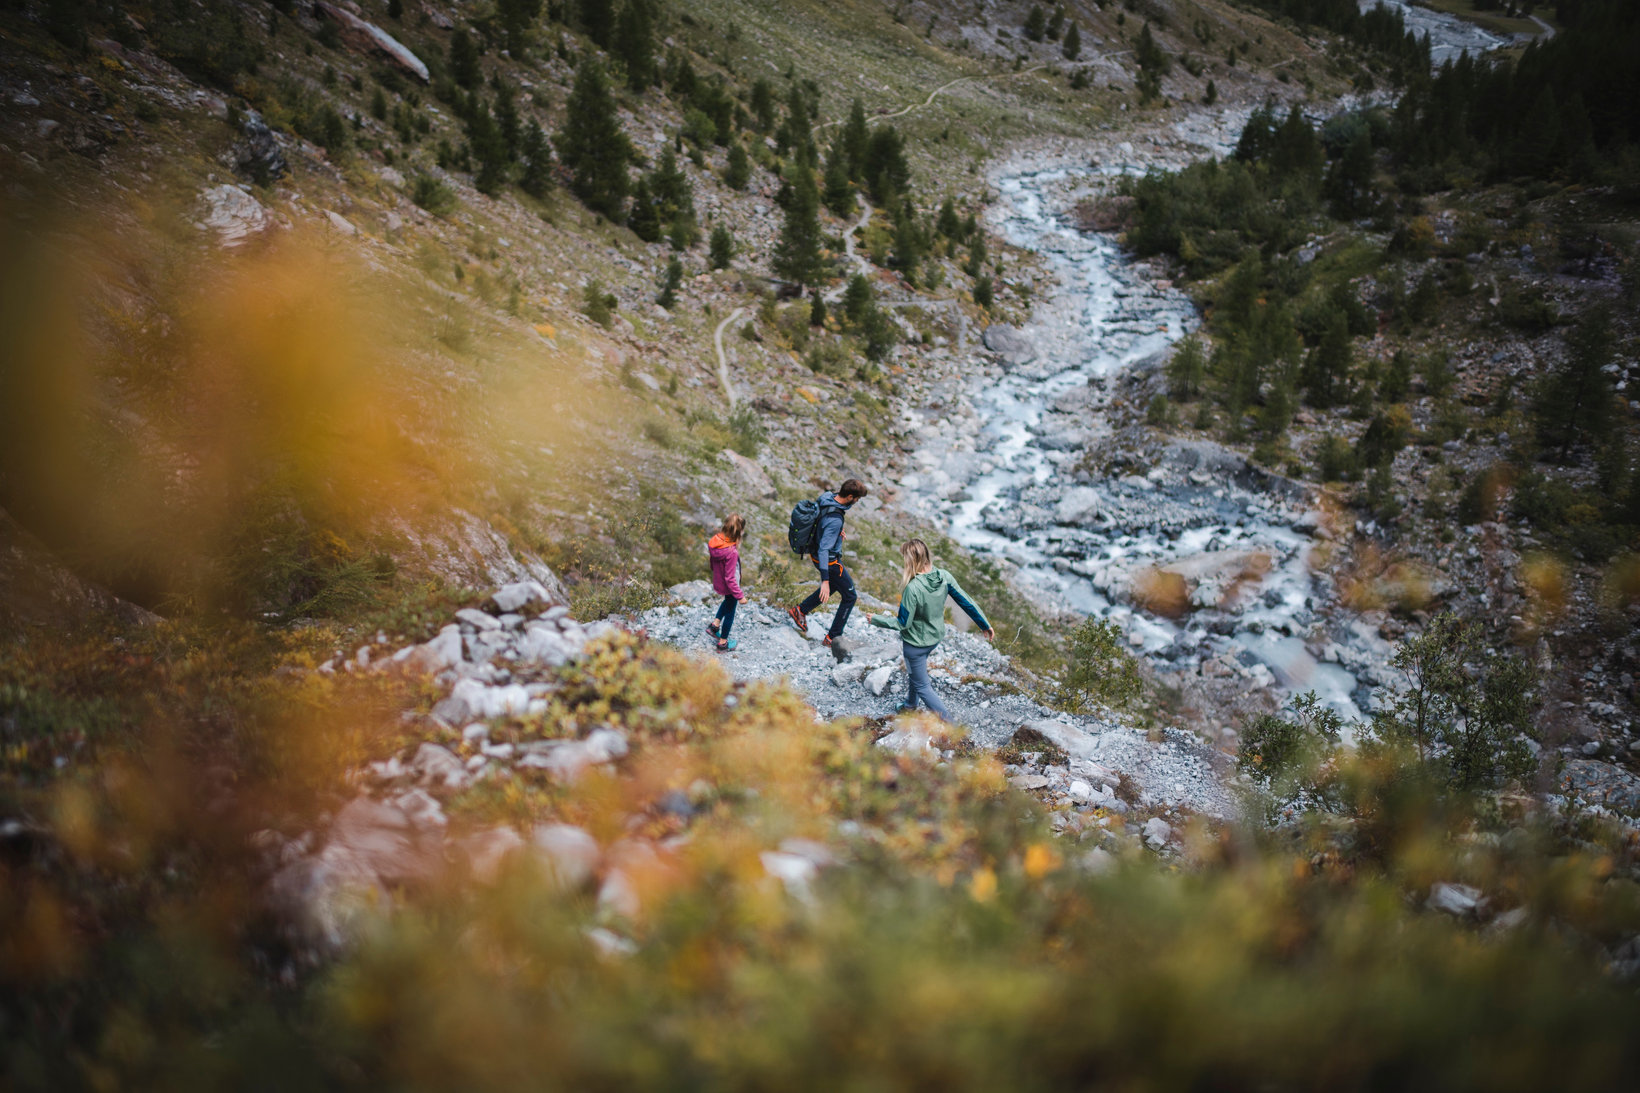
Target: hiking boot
712,628
727,645
826,641
799,620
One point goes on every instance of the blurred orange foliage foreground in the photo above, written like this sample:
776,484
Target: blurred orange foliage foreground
204,429
955,943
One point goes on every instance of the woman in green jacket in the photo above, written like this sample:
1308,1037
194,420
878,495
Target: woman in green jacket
921,621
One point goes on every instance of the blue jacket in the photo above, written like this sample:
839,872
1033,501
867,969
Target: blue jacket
829,550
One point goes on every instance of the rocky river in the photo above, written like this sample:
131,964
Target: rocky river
1205,562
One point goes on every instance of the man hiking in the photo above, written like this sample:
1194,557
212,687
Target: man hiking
827,557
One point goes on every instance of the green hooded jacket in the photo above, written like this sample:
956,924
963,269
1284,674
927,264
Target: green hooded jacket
921,621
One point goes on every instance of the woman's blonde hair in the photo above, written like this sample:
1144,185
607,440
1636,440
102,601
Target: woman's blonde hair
734,527
917,560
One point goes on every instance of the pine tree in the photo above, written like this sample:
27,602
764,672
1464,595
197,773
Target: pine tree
858,300
983,293
739,169
489,151
507,121
537,176
1036,23
635,44
598,20
1327,369
856,140
644,217
947,223
817,310
722,248
1211,95
1072,49
763,106
1350,179
1574,402
464,68
395,9
839,192
517,19
1056,23
591,143
669,287
886,171
797,254
378,105
1186,369
908,241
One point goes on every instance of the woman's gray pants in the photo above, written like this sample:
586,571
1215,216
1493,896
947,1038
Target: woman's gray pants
916,666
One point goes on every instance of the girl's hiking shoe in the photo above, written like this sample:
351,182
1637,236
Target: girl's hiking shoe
727,645
712,628
826,641
799,620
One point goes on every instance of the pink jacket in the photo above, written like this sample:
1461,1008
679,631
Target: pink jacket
725,566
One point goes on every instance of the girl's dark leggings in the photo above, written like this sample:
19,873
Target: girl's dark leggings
726,616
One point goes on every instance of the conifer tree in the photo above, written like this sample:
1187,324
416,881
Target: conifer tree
464,68
908,241
1327,369
797,253
763,105
817,310
670,285
1072,49
948,224
1186,369
739,169
858,300
634,43
537,177
1574,402
839,192
721,248
856,139
1056,23
643,217
508,123
591,143
489,151
517,19
1350,179
887,173
1036,23
598,20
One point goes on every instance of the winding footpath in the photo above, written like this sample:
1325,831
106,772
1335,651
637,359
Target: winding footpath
723,357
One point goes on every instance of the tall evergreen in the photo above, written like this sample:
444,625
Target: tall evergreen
886,172
797,254
464,68
856,138
1574,402
517,19
635,44
1349,179
598,20
721,248
763,105
839,192
1072,49
1036,23
738,171
644,217
591,143
489,150
536,179
1326,370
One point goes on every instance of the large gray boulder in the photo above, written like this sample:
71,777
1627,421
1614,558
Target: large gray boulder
1010,344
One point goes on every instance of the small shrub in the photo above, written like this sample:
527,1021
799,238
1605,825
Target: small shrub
1100,672
598,305
433,195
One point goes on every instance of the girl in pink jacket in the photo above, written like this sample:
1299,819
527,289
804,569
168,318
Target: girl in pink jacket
724,549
